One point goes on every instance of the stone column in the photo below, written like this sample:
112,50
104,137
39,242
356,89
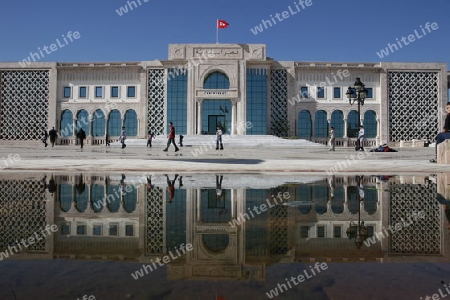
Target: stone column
233,116
199,116
345,137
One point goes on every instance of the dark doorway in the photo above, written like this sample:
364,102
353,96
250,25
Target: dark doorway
214,121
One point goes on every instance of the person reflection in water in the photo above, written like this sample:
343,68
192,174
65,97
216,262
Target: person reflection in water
219,187
331,185
359,182
123,186
150,186
171,186
52,185
44,183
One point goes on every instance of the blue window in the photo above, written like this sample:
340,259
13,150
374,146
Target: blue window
97,197
114,123
65,229
369,93
320,92
257,101
66,125
337,93
131,91
81,229
352,124
304,125
67,91
337,121
304,92
98,123
98,92
216,113
114,92
370,124
83,121
131,122
321,124
353,93
113,230
177,100
176,219
97,230
114,201
130,201
82,92
65,196
216,80
129,230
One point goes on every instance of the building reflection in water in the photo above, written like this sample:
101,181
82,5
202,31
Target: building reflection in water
126,217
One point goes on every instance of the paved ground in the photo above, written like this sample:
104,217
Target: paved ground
237,159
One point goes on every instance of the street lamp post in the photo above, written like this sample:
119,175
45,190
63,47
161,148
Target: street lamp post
360,92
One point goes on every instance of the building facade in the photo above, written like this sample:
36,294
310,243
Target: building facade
235,86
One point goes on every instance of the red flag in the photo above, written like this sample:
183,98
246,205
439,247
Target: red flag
222,24
220,298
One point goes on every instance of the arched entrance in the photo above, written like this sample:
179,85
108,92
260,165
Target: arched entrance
216,112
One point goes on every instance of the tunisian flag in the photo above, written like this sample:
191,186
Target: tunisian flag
222,24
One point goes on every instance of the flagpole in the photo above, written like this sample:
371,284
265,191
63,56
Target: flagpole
217,31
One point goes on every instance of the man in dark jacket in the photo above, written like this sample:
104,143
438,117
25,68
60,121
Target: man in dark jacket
81,135
52,134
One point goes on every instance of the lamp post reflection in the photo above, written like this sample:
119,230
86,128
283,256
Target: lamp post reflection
358,231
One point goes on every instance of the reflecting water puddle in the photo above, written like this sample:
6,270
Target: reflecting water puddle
157,236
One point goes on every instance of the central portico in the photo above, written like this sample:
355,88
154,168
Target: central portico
216,84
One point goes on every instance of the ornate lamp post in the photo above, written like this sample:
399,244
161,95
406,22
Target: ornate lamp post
360,92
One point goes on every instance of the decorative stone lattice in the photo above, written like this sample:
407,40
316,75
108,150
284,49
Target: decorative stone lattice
156,92
413,105
279,124
24,103
278,226
155,222
23,212
422,236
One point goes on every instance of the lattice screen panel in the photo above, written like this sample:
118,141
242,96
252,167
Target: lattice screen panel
279,240
24,103
23,213
155,222
413,105
156,93
279,124
422,236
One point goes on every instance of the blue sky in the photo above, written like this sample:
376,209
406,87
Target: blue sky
327,30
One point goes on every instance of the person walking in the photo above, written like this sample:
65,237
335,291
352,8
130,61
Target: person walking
81,135
445,134
332,140
44,138
52,134
149,139
107,140
361,138
171,138
123,137
219,138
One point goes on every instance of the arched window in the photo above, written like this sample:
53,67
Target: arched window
65,196
114,123
338,200
370,201
81,199
114,198
321,124
97,197
304,124
304,195
337,121
98,123
216,80
66,125
130,200
353,199
320,196
370,124
131,122
352,124
83,121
